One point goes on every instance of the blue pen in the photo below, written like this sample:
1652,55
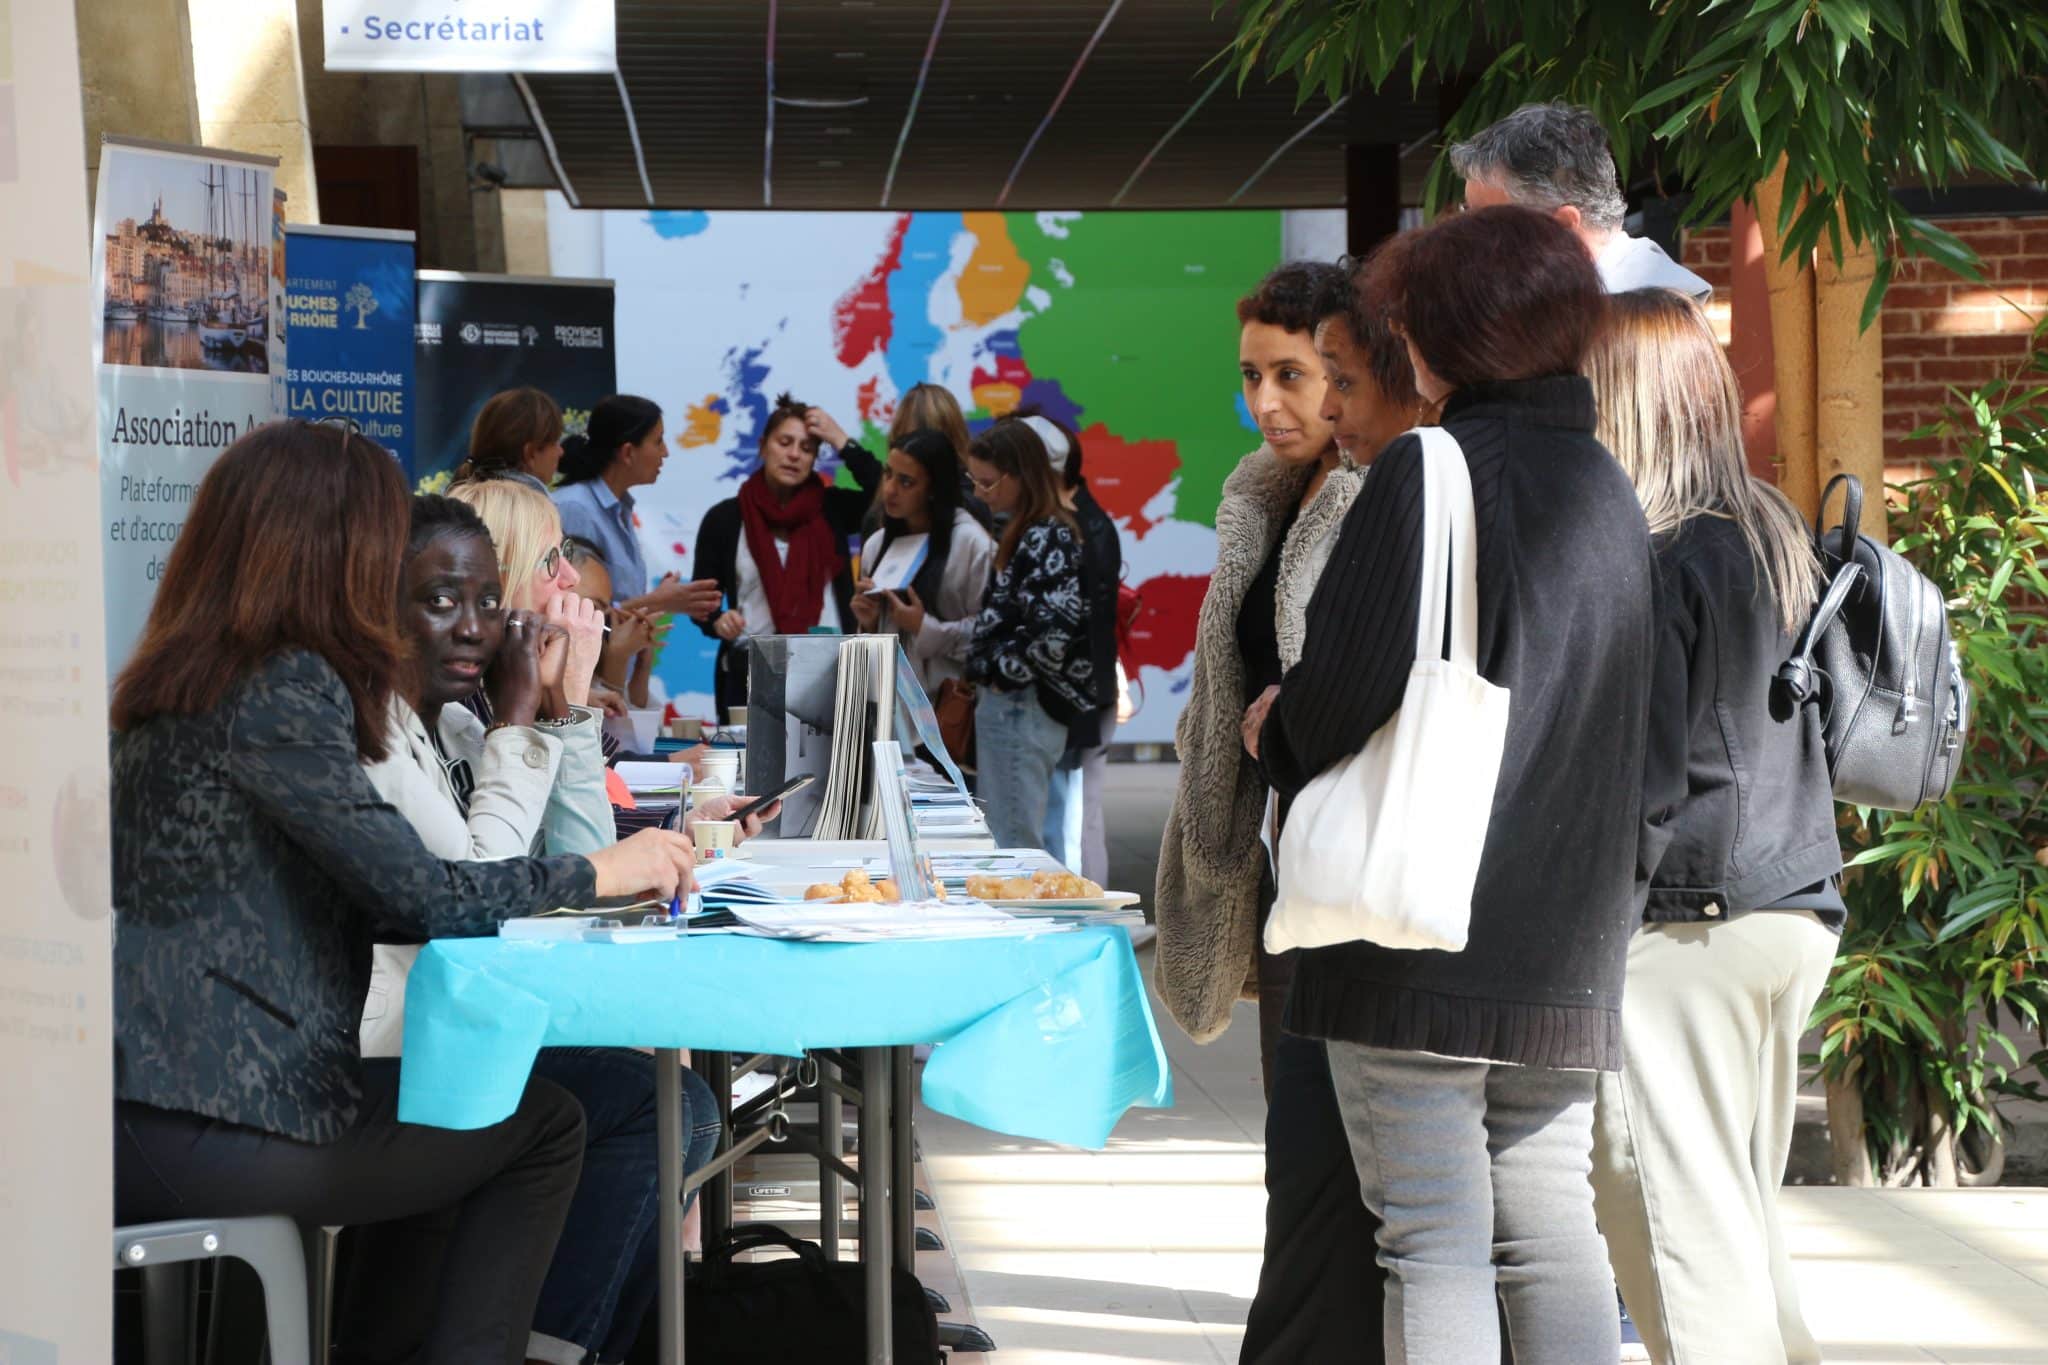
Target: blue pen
674,820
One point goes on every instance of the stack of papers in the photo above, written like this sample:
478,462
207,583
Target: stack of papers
863,709
823,922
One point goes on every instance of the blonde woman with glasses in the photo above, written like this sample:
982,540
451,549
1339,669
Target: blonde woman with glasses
1691,1136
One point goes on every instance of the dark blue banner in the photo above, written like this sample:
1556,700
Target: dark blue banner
479,335
349,325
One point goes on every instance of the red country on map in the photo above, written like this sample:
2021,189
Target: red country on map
1126,475
861,319
1164,634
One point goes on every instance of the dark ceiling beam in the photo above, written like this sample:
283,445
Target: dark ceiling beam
916,93
547,138
1285,148
1179,124
633,135
768,134
1058,100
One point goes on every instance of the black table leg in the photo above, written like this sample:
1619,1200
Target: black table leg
902,1159
875,1220
668,1104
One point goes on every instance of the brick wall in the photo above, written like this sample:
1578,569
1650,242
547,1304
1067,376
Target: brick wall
1940,330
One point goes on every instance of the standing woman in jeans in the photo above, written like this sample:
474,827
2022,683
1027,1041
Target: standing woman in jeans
254,864
1691,1138
1030,652
1466,1080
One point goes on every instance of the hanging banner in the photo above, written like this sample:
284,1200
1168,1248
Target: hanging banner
432,35
280,394
350,311
56,945
479,335
182,279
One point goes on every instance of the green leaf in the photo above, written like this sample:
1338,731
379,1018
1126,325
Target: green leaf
1745,94
1686,84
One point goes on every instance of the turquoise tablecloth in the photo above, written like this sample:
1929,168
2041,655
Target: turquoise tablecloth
1047,1037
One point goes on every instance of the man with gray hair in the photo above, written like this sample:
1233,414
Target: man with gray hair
1554,158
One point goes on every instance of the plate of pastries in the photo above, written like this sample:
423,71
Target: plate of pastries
1052,888
856,888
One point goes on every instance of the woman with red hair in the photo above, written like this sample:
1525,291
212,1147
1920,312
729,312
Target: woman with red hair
1466,1080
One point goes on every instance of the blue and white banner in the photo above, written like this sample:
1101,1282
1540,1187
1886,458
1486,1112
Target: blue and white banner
433,35
350,309
182,286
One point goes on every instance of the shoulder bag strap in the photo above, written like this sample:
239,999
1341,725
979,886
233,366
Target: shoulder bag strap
1453,544
1852,518
1436,547
1797,674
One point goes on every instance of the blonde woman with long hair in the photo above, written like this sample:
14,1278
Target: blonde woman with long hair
1691,1136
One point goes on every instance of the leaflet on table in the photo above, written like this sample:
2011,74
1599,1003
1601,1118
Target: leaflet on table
919,720
821,922
641,777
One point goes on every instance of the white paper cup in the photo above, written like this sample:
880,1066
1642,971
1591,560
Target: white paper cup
715,839
646,729
720,765
706,791
735,715
689,729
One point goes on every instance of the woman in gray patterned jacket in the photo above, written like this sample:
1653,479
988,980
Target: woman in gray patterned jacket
254,865
1030,654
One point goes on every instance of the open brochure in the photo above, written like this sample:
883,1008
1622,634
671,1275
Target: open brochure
899,564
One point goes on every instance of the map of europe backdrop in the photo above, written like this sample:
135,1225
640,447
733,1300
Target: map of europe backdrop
1120,324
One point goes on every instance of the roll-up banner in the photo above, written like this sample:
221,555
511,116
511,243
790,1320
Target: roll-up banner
479,335
183,261
350,311
56,1020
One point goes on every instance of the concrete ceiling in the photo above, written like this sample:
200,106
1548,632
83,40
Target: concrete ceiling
954,104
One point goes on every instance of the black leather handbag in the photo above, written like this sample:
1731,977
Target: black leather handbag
1878,660
804,1309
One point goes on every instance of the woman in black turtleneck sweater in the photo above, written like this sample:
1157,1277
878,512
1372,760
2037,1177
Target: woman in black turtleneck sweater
1466,1080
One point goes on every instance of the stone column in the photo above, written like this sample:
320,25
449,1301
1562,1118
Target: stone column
252,90
526,231
135,71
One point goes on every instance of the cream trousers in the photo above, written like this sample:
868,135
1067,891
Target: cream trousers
1690,1139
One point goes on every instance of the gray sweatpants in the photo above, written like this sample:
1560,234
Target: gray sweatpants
1479,1174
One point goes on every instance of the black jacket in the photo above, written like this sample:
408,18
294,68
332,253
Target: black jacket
254,865
1566,623
718,554
1739,811
1102,569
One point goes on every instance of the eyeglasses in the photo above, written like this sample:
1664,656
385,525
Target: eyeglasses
986,486
551,562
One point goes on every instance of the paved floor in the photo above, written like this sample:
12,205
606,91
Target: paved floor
1149,1250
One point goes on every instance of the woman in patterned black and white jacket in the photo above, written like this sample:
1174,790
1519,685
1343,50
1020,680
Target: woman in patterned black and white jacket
1030,654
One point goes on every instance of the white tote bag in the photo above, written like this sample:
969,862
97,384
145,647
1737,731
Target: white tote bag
1385,846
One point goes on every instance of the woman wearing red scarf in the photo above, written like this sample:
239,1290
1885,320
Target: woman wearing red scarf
780,549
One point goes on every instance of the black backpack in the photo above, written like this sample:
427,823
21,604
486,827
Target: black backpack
1878,660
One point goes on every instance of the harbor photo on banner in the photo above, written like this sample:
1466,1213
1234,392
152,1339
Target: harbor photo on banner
350,311
183,246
